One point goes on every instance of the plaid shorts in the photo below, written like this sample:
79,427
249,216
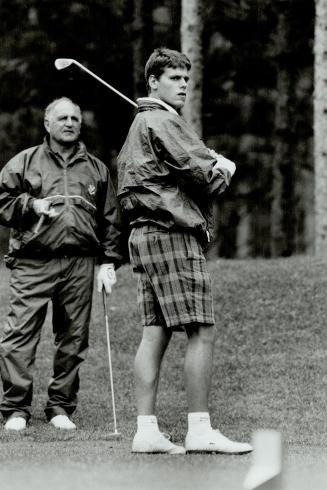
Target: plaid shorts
174,286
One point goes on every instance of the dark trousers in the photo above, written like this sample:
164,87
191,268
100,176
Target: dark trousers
68,282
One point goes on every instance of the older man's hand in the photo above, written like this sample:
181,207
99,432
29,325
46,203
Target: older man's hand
43,207
106,277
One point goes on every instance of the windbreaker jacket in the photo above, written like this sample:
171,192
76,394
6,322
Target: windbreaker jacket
166,174
80,191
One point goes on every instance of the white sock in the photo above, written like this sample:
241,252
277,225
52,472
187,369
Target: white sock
147,424
199,422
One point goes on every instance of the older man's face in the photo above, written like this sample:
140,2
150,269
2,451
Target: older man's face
64,123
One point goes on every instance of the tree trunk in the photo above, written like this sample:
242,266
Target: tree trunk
320,127
282,221
142,42
191,45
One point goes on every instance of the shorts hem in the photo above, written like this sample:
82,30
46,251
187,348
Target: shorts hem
180,323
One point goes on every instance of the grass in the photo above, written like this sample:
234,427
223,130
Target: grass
269,372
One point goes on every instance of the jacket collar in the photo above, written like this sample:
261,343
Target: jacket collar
80,150
152,103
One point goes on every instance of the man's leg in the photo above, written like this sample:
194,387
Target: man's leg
201,437
148,438
147,367
156,337
30,290
198,366
73,297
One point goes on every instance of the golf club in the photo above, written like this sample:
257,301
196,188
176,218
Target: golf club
115,434
37,228
38,225
61,63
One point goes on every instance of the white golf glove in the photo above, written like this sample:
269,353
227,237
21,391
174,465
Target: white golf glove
222,162
106,277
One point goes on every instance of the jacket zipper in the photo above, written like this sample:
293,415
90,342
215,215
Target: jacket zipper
66,189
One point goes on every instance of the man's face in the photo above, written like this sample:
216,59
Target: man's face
171,86
64,123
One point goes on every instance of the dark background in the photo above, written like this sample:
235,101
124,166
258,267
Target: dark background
257,97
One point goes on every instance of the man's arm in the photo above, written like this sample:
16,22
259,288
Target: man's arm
110,225
15,203
223,163
196,167
110,235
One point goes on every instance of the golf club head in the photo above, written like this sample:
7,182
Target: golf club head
61,63
116,436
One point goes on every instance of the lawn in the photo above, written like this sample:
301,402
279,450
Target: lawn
270,371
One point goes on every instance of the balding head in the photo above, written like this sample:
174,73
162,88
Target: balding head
49,109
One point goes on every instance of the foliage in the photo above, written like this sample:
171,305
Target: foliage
243,61
34,33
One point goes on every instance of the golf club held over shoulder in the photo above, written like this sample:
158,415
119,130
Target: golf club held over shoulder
61,63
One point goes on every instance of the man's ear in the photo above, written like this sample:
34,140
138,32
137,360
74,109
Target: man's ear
153,83
46,125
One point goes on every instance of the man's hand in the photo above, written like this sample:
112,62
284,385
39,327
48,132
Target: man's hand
43,207
106,277
222,162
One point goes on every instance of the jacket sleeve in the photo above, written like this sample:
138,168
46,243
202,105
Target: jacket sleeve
110,225
15,202
188,158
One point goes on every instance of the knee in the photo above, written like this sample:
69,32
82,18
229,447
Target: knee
156,336
205,334
208,334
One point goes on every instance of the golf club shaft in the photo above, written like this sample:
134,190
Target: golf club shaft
105,83
104,296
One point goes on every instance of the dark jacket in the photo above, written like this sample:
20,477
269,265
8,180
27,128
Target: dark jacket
165,172
80,191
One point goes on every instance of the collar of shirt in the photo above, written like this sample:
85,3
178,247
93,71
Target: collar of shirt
158,101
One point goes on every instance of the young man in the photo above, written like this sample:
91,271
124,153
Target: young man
59,201
168,180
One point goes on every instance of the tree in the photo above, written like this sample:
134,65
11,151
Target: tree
320,127
291,170
255,102
191,45
141,41
282,163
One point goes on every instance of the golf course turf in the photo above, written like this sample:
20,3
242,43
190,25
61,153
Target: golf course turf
270,371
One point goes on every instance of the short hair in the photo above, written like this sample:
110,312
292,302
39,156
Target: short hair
55,102
162,58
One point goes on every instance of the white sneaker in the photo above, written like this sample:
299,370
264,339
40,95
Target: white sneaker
214,442
156,444
15,423
62,422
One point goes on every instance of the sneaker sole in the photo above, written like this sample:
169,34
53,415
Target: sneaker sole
213,451
170,453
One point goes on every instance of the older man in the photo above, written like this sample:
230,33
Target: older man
59,201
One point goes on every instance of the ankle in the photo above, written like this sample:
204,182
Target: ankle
147,424
199,422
